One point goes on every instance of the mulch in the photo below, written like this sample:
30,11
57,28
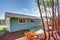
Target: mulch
12,35
17,36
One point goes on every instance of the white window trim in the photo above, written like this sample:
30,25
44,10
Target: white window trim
21,23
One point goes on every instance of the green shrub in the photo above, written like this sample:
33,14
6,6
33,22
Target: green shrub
2,30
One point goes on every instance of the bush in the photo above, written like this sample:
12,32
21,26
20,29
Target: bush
2,30
30,35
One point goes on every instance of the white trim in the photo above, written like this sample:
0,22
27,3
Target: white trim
21,23
8,23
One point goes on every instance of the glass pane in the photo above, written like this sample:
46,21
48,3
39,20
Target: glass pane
23,20
20,20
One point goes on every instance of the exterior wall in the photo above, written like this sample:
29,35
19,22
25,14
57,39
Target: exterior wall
15,26
8,24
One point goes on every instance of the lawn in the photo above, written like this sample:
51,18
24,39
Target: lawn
2,30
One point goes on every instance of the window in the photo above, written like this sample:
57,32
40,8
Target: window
32,20
21,20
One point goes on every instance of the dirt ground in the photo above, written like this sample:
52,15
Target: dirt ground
19,35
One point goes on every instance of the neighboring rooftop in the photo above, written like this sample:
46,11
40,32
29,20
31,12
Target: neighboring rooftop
20,16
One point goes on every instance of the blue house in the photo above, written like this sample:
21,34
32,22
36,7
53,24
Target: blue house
16,22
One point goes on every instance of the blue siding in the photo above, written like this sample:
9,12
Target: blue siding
15,26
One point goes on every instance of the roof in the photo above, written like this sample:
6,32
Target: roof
14,15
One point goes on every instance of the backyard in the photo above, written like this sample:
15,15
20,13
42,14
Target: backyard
25,27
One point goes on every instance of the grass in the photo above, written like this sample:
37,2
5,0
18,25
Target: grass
2,30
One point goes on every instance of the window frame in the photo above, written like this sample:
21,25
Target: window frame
22,22
32,21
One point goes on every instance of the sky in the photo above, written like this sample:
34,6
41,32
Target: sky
26,7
